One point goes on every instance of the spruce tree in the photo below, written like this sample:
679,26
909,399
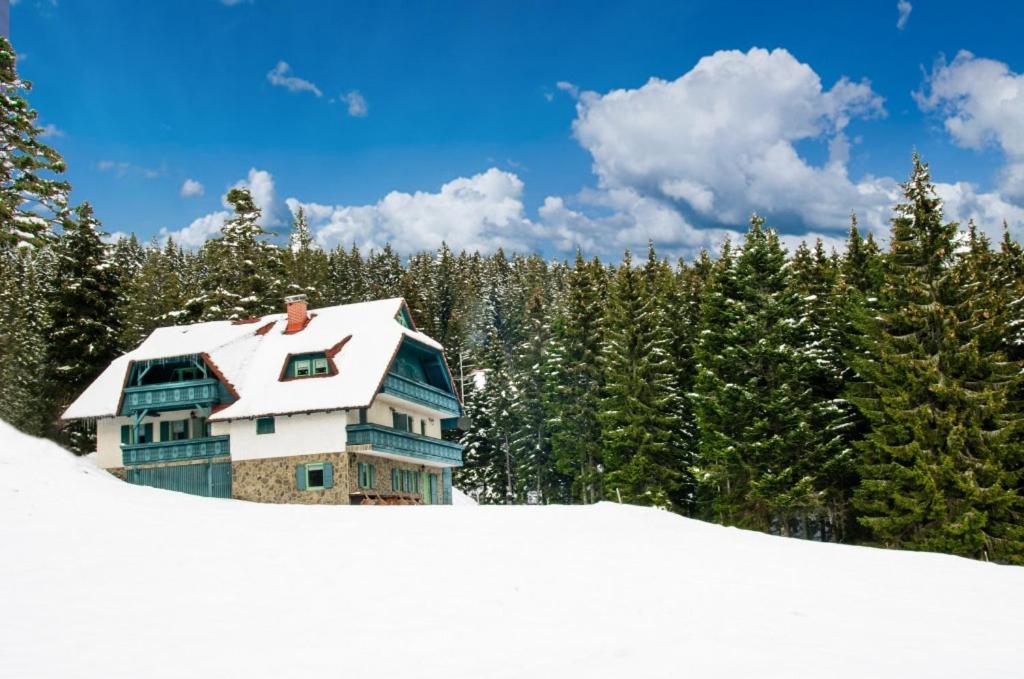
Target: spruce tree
574,377
32,198
640,408
940,466
246,272
84,338
305,265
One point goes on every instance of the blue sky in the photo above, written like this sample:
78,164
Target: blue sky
379,105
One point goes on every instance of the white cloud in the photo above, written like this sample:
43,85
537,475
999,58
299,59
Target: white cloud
481,212
719,143
962,202
904,8
199,231
356,104
279,77
122,168
981,102
51,131
568,87
191,188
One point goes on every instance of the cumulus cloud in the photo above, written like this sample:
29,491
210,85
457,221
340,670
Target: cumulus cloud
720,143
962,201
356,104
981,103
280,76
191,188
482,212
904,8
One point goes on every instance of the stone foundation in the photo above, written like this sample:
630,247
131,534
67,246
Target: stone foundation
383,467
273,480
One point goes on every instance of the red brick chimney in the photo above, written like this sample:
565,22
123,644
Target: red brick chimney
297,315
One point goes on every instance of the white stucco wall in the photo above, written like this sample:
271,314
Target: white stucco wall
108,435
380,412
293,435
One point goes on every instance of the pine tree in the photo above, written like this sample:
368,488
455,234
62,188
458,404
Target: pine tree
489,469
531,446
306,266
640,408
941,465
84,312
152,296
246,273
32,199
575,381
25,395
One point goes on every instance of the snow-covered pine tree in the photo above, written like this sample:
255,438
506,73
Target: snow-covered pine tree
32,198
862,263
822,342
574,377
531,448
938,470
150,298
305,265
489,469
752,406
384,273
246,272
640,407
25,395
83,311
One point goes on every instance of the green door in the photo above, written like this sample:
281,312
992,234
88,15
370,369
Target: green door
429,489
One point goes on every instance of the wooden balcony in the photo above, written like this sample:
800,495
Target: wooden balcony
175,451
378,438
424,394
170,396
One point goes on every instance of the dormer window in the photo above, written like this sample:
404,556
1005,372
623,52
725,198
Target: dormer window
307,365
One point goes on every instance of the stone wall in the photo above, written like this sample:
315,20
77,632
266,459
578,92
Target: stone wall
383,467
273,480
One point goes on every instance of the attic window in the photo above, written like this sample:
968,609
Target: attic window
301,366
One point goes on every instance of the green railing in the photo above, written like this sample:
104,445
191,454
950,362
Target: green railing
424,394
173,451
170,396
387,440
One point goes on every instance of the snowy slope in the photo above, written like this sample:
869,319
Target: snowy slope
102,579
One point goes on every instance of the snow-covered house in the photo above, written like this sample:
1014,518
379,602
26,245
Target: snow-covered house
339,405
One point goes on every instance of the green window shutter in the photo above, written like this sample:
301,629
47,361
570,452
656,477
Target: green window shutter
126,434
373,476
394,479
328,475
148,429
300,476
165,430
360,469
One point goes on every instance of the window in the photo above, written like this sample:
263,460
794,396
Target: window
362,416
307,365
128,434
423,427
401,421
265,425
185,374
405,480
314,476
366,475
179,430
200,428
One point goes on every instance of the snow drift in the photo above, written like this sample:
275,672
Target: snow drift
99,578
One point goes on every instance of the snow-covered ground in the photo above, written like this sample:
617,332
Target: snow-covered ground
102,579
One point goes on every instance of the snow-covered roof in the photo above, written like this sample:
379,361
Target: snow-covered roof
250,358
